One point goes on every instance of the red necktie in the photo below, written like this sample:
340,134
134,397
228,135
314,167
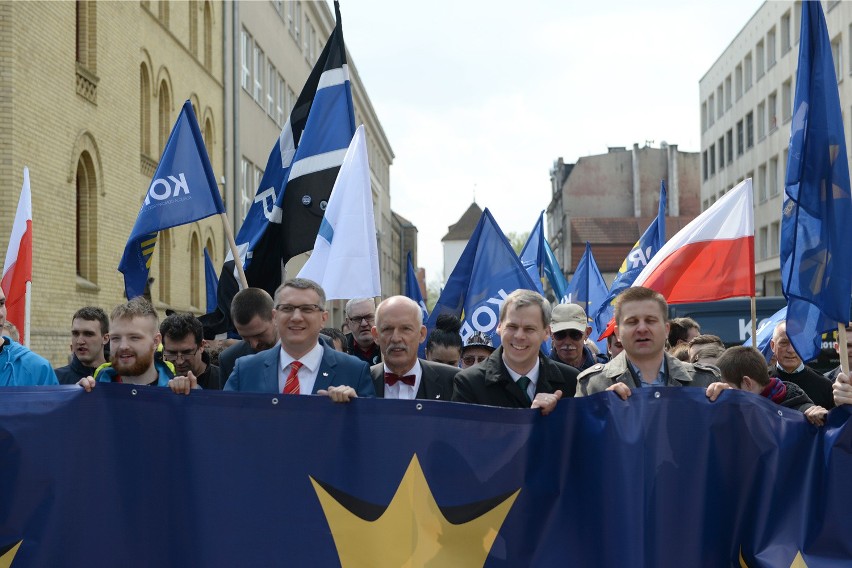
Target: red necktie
291,385
392,378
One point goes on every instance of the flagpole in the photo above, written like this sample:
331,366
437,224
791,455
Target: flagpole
841,347
238,263
753,321
26,330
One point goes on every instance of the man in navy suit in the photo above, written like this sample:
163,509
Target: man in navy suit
300,364
399,330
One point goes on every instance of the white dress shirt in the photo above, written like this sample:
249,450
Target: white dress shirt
532,376
307,374
400,389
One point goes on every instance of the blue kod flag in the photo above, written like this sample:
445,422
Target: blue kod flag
588,290
765,331
412,289
816,232
183,190
645,248
211,282
538,257
487,271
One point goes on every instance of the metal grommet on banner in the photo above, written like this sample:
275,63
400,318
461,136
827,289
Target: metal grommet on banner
657,394
419,406
274,401
780,413
133,392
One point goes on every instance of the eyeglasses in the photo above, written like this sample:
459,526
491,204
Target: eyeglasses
369,318
186,354
304,308
572,333
473,359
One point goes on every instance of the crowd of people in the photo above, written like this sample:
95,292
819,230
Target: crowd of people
286,347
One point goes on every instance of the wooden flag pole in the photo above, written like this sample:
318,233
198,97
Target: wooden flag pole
229,234
753,322
27,306
841,348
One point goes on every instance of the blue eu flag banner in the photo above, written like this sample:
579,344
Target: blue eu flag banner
286,212
645,248
538,257
587,289
816,267
412,289
210,281
183,190
487,271
765,331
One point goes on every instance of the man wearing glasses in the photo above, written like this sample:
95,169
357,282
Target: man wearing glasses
299,363
569,329
183,347
361,315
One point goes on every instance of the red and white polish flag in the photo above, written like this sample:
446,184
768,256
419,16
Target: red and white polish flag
18,268
712,258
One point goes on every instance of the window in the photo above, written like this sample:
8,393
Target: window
759,55
772,111
259,60
774,238
281,102
721,145
163,11
738,81
712,159
144,111
773,177
703,117
195,271
787,100
310,47
193,26
291,100
271,83
720,101
208,36
164,125
246,193
763,243
164,260
730,145
728,100
836,54
740,144
711,110
761,183
245,40
750,130
797,21
87,219
258,176
785,33
294,20
770,48
747,70
86,27
704,164
761,121
207,134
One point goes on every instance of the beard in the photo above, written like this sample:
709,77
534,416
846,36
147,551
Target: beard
142,363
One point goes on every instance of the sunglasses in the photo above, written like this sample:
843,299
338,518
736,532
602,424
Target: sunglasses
572,333
473,359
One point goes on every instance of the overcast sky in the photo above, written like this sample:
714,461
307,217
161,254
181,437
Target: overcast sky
485,96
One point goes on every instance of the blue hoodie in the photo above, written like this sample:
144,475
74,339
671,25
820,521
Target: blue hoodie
165,370
20,367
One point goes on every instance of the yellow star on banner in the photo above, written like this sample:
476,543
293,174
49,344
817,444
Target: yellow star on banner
798,561
412,531
7,558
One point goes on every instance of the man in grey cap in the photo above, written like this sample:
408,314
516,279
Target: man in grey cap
477,349
569,328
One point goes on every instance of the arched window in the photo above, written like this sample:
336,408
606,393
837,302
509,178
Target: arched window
164,258
208,36
193,27
144,111
86,34
195,271
163,11
87,219
208,139
164,126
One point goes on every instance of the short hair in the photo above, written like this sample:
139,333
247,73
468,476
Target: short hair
522,298
679,329
680,352
93,313
179,325
137,307
347,309
249,303
446,333
706,346
640,294
335,333
740,361
303,284
777,327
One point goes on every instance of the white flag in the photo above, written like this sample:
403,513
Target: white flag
345,259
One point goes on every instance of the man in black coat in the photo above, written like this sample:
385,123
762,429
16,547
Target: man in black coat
398,332
251,312
790,368
517,375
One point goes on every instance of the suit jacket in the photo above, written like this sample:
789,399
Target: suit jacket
436,381
259,372
490,383
229,356
680,374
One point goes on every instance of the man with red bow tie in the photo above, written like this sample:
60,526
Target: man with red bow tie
399,330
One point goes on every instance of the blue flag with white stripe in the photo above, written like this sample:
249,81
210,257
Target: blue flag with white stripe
538,257
765,331
412,288
183,190
588,290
